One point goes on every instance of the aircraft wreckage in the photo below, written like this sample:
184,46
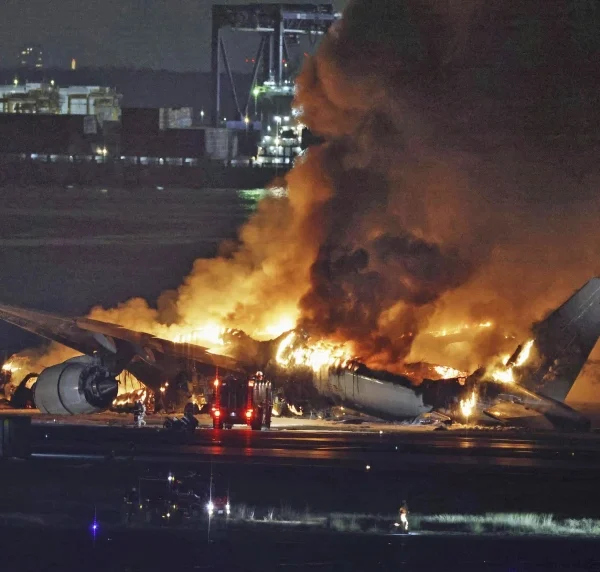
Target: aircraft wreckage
528,389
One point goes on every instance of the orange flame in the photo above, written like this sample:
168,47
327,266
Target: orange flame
10,367
292,352
460,329
467,406
505,373
448,372
211,334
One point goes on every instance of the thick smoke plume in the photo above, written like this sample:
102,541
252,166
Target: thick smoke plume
457,184
463,138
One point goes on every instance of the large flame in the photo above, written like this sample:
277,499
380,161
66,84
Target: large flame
448,372
10,367
296,352
524,354
460,329
130,398
467,406
210,334
505,373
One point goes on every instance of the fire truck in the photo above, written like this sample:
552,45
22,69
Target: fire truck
242,402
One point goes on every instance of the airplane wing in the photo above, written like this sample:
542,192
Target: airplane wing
95,337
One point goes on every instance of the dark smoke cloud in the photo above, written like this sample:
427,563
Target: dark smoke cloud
363,271
462,139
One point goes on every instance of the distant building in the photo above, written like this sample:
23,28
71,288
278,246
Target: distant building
29,98
31,56
102,102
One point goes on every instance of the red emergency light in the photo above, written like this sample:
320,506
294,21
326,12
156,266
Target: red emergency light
217,413
249,413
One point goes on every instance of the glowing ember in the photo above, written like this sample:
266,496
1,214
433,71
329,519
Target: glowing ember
467,406
293,352
460,329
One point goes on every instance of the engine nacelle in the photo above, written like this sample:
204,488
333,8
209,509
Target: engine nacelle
76,386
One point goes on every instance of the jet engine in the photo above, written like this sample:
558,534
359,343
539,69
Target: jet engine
77,386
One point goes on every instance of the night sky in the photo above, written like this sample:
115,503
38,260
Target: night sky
158,34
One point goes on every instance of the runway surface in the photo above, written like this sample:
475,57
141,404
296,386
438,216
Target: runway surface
77,468
325,446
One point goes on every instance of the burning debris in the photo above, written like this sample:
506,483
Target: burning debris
126,401
131,390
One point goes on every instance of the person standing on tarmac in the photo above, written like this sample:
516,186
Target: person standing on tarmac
404,516
139,412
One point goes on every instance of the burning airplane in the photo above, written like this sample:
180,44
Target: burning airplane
435,195
527,388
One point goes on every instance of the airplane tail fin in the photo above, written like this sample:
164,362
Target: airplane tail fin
563,343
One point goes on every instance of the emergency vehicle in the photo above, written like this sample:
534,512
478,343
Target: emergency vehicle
242,402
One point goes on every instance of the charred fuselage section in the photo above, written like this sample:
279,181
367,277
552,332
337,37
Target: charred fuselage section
397,398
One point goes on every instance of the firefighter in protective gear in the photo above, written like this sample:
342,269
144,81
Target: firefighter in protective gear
403,516
139,412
